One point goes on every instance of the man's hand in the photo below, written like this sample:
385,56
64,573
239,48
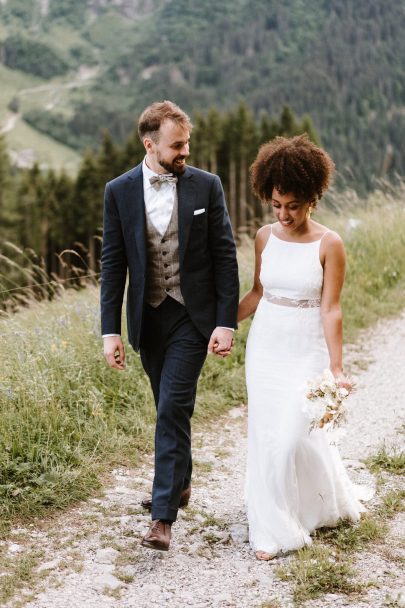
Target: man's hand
114,352
221,342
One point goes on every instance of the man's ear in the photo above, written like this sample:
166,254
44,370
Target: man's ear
148,144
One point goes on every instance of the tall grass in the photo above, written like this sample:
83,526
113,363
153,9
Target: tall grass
374,235
25,280
62,411
65,417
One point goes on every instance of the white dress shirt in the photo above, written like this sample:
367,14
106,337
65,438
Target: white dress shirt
158,203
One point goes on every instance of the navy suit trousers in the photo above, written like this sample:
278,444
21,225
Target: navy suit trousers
173,352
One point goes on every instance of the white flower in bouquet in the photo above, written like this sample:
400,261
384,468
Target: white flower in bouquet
324,402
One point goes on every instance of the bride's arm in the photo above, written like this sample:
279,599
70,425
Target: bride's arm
249,302
331,312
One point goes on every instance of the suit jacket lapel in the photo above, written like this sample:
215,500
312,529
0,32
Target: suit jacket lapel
137,211
186,194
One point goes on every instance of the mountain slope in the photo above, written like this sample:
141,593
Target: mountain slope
341,61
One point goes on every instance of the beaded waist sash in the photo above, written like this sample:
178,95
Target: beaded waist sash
292,302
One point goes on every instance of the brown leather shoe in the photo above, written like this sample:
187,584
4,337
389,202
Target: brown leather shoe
146,503
158,536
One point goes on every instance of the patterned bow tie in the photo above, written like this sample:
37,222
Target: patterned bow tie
157,180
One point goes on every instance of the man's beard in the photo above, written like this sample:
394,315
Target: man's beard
171,167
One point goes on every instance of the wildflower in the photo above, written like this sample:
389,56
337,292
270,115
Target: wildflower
8,392
353,222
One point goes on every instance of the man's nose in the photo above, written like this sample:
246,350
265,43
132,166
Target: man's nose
185,151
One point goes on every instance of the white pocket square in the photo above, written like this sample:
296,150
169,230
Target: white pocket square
199,211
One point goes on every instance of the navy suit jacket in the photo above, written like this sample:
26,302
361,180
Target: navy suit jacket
208,269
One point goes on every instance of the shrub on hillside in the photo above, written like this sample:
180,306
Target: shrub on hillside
32,57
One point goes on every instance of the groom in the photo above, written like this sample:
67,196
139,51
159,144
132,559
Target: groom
166,224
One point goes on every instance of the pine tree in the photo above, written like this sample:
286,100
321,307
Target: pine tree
199,149
88,204
132,153
214,137
287,123
245,151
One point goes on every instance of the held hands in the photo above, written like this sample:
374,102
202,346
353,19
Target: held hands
221,342
114,352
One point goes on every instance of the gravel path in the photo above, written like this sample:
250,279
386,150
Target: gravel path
91,556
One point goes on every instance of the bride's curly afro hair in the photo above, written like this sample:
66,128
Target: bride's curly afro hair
295,165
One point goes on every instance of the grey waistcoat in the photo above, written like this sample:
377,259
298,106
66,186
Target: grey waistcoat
163,269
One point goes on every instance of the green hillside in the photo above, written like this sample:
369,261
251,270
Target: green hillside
341,61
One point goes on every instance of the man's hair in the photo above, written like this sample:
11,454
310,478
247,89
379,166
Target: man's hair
152,117
295,165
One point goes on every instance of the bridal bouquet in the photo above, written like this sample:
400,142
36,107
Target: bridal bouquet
324,403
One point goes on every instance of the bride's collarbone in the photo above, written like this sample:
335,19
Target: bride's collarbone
312,235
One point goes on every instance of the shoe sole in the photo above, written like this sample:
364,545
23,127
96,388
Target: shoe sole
155,546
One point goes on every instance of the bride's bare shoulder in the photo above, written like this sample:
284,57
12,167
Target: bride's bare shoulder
327,235
263,234
330,237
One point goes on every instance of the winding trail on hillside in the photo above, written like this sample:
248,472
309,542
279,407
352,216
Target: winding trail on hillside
92,556
82,78
9,122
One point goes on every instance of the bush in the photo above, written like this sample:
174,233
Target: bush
32,57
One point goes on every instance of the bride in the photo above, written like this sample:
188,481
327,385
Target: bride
296,481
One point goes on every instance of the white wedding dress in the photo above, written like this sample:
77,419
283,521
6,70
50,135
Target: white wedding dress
296,481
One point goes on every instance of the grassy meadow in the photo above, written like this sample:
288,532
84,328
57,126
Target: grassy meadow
65,418
34,92
374,236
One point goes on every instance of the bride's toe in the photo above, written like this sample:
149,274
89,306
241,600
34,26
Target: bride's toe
264,556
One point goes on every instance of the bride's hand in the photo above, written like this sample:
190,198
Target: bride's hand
345,381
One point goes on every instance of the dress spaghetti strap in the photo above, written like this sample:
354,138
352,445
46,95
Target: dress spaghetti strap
326,232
